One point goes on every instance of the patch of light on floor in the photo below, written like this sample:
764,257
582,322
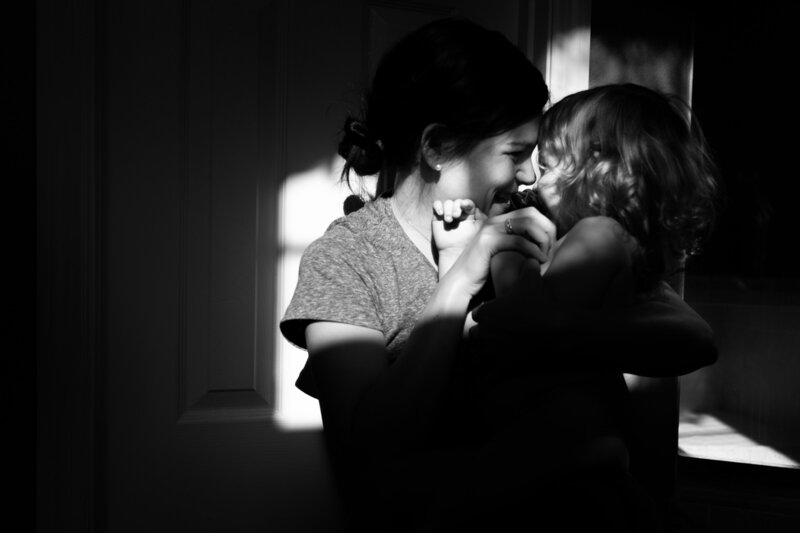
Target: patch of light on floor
704,436
309,202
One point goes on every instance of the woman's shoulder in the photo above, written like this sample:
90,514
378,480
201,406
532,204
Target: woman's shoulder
354,233
367,217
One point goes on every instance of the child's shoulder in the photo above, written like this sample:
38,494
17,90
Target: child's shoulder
600,226
601,236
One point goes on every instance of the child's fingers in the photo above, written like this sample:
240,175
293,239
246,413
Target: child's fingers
438,208
457,209
448,210
463,207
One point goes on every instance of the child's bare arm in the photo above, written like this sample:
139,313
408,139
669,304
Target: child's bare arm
508,267
455,223
592,265
657,336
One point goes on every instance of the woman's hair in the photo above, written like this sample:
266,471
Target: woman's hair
452,72
637,156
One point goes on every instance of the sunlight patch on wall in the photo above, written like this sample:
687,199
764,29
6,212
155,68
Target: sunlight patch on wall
568,65
309,201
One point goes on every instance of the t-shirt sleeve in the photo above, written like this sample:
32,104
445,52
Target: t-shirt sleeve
333,285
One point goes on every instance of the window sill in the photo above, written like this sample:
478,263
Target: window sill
725,437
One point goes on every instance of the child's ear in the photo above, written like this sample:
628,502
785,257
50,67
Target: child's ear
432,146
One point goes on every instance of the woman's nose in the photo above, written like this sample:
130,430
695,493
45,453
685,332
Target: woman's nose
525,174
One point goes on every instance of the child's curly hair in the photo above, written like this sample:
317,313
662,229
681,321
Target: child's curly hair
637,156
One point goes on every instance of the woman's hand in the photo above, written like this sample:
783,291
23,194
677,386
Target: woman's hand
526,231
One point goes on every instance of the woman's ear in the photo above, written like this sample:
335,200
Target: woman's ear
432,146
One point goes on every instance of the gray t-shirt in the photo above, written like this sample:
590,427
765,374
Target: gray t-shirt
363,271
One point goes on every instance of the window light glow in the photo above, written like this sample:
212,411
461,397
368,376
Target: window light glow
705,436
309,201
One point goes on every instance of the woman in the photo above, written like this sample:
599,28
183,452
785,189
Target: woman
452,112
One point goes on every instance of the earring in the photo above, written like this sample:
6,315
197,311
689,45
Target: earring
438,167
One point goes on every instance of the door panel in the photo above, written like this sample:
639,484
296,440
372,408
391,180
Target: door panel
231,73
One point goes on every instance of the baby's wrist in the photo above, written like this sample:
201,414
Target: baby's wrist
447,259
451,253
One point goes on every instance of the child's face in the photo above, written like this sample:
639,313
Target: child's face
546,184
493,170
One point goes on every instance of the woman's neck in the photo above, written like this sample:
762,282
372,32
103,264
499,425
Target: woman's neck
413,203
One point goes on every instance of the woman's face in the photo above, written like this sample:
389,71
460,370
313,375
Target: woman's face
493,170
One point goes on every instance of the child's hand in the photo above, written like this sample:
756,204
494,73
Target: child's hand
455,223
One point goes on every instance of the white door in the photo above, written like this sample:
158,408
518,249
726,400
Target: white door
217,125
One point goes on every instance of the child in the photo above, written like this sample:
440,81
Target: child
627,179
625,176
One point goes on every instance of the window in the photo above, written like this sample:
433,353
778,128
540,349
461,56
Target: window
728,64
746,408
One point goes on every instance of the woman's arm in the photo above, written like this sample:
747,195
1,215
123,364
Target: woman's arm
371,406
368,404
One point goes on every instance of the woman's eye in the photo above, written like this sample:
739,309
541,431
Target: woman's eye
520,156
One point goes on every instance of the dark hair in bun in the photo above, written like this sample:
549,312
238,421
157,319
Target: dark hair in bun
360,149
453,72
